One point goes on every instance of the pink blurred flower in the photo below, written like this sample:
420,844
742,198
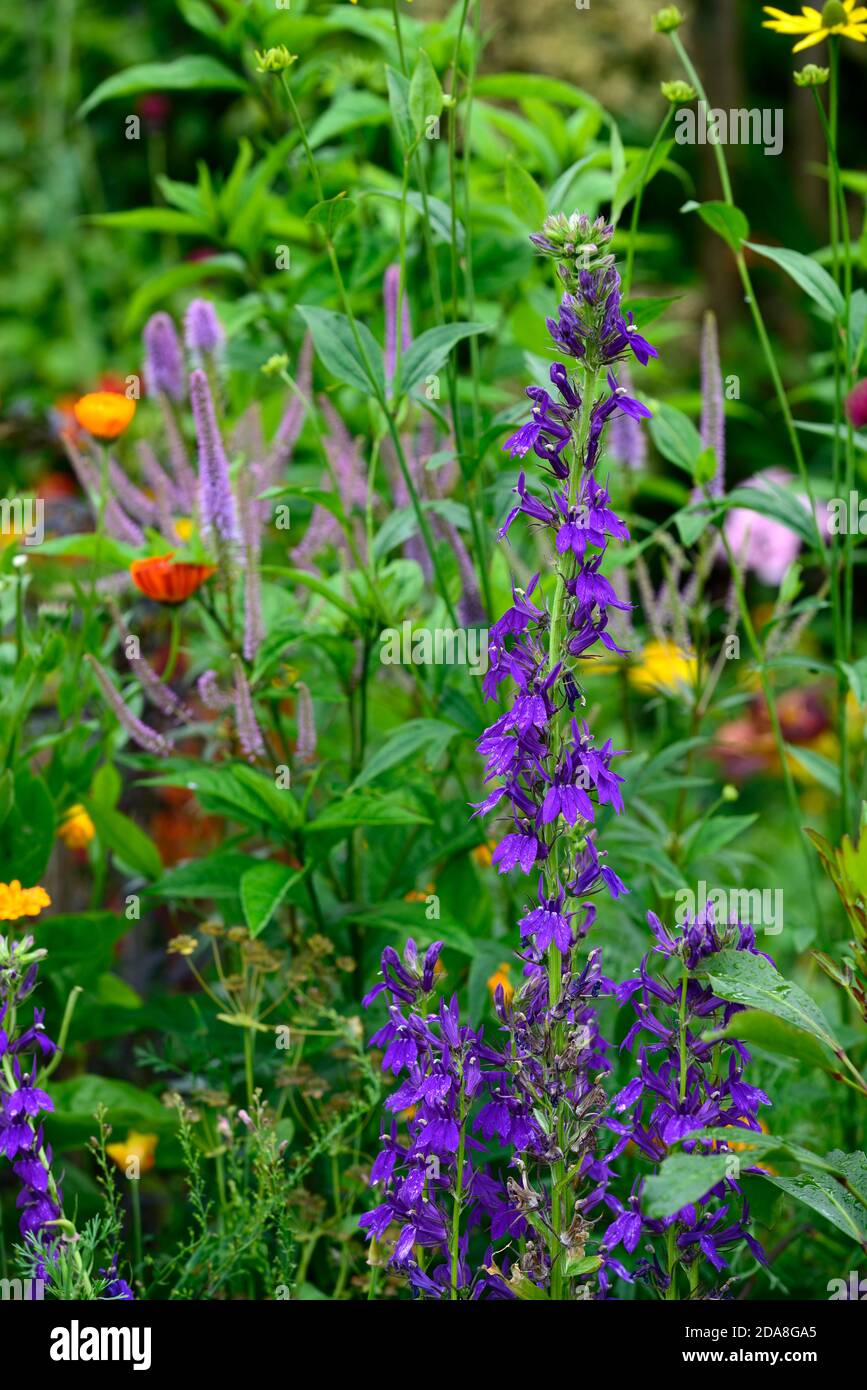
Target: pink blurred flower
758,542
856,405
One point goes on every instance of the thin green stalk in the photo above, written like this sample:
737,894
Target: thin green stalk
454,1242
749,292
639,195
770,701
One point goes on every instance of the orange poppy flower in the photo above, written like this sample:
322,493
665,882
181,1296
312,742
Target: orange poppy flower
167,582
104,414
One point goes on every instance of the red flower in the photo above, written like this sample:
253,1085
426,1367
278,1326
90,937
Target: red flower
167,582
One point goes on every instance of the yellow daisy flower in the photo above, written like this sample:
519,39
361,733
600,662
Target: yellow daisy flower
16,901
663,666
76,829
844,17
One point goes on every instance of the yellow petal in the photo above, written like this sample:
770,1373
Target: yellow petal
810,41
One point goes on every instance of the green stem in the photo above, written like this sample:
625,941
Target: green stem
174,644
750,295
454,1243
639,195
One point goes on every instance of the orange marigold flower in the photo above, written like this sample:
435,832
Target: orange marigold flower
76,829
104,414
166,581
16,901
137,1149
501,976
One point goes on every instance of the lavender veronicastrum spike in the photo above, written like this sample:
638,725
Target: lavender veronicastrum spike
203,332
164,361
140,733
216,503
249,734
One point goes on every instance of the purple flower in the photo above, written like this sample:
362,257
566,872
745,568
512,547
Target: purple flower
216,503
203,332
164,362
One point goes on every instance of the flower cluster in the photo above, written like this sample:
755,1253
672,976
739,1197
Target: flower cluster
685,1084
23,1102
432,1190
545,765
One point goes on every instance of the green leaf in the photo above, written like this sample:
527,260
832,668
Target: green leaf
778,1037
425,93
681,1180
638,173
524,195
196,72
776,502
129,1107
159,287
710,836
807,273
430,736
727,221
676,437
510,85
359,809
125,839
752,980
428,353
335,343
408,919
152,220
27,833
234,790
822,769
398,100
7,794
81,941
215,876
347,112
263,890
823,1194
645,310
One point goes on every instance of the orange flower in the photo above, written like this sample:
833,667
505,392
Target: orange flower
501,977
136,1152
16,901
104,414
76,829
167,582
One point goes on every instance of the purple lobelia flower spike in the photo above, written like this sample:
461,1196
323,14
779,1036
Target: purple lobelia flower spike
23,1101
433,1190
164,361
549,779
686,1085
216,502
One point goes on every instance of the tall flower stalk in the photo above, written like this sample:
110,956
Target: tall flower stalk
541,756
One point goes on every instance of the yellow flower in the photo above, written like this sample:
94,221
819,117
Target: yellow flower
501,977
483,854
183,945
184,528
844,17
16,901
663,666
138,1147
76,829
